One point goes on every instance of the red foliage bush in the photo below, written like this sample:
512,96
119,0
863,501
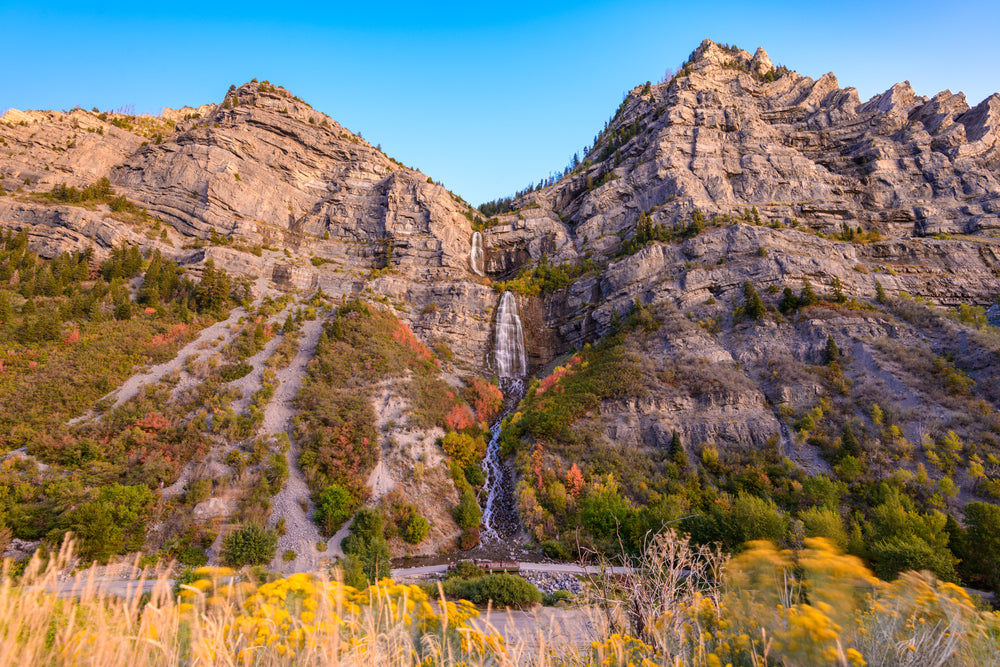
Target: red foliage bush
486,399
469,538
460,417
405,337
153,421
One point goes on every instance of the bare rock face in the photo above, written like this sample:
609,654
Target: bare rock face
260,170
796,179
731,131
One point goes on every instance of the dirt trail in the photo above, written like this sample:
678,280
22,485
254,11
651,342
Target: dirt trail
203,345
301,534
253,380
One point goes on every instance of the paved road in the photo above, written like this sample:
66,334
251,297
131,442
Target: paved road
555,568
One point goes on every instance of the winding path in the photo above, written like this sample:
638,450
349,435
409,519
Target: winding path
204,344
301,534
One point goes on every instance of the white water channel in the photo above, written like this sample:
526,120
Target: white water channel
500,511
508,342
476,258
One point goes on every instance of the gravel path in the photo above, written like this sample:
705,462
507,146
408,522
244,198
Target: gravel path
252,381
201,346
301,534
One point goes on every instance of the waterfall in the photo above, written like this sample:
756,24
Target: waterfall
500,520
509,341
476,259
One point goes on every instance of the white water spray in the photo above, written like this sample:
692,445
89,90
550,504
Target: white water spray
500,509
508,344
476,258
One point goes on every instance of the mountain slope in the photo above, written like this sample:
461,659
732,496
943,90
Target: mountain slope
754,285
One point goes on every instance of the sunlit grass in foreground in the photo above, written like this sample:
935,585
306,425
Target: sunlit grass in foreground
767,607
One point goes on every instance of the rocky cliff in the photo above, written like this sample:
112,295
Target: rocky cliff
733,173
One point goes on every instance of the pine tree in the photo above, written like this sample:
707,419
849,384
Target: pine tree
880,296
849,443
677,453
831,354
789,302
753,307
123,311
6,312
838,290
807,297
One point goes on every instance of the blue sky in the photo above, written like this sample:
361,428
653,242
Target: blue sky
483,97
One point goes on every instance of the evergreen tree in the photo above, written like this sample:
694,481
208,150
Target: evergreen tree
807,297
6,312
789,302
849,443
838,290
123,311
880,296
753,307
677,453
831,354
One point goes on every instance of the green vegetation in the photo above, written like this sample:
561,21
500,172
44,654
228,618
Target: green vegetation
467,582
544,279
366,547
360,347
889,501
73,333
334,506
251,544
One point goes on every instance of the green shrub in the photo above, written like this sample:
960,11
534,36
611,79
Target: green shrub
366,542
193,556
416,530
230,372
250,544
467,514
334,506
505,590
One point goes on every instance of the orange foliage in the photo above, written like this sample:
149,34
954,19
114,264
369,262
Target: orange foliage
558,374
405,337
176,331
153,421
486,399
537,458
74,336
460,417
148,310
574,479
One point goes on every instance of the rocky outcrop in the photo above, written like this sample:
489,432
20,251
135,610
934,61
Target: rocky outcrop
723,136
781,167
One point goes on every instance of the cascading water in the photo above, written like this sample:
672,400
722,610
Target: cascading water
508,344
476,258
500,518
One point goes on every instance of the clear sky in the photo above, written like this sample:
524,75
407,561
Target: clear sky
482,97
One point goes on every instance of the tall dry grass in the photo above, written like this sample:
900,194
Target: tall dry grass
679,605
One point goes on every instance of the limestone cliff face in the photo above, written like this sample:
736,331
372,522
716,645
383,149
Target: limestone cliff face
720,137
728,134
261,169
